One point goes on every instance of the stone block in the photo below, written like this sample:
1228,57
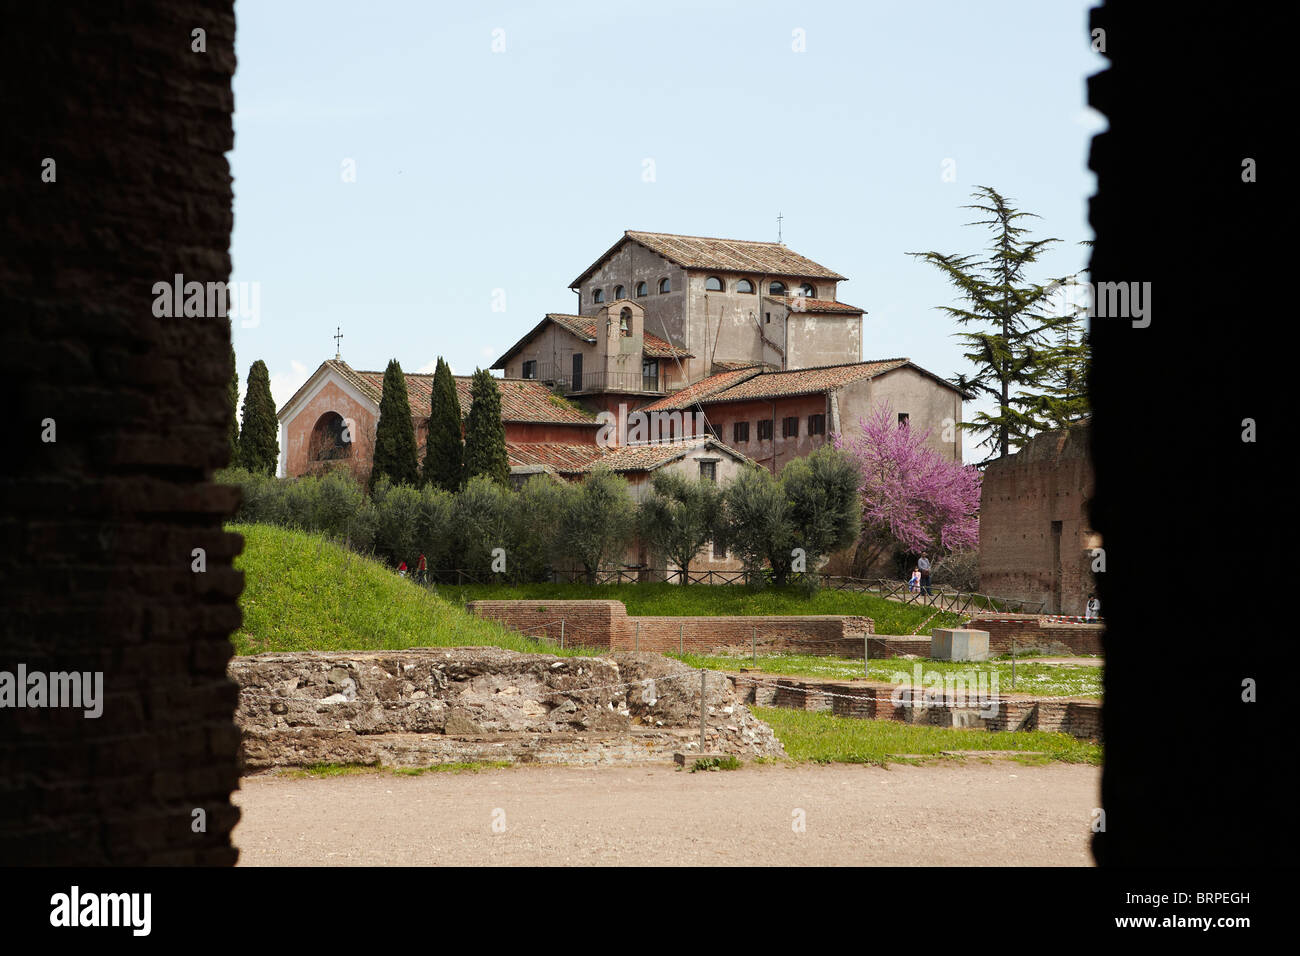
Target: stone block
959,644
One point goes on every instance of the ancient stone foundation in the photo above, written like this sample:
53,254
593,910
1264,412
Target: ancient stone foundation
436,705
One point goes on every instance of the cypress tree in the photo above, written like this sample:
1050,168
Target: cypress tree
259,444
485,436
444,451
395,452
234,408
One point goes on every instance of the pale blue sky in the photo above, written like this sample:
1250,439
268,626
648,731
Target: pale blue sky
479,170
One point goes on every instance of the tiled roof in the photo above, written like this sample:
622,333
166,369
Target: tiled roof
584,327
756,383
703,389
522,400
815,305
804,381
725,255
566,458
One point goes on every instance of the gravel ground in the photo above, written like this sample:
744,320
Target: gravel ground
974,813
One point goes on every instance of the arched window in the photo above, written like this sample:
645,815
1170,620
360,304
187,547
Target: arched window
598,295
744,285
642,289
618,292
712,284
664,286
327,439
808,290
776,288
625,322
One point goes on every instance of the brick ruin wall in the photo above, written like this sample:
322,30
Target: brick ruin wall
1023,496
606,625
102,521
1029,633
435,705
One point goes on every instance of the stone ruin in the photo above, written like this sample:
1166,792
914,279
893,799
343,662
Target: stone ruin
424,706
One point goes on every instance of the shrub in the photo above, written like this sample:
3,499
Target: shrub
397,517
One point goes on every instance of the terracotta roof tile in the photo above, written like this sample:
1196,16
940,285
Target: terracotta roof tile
815,305
584,327
522,400
703,389
725,255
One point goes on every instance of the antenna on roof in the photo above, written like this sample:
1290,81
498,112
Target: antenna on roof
338,334
779,217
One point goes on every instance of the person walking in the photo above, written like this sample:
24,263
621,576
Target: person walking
914,583
923,566
422,570
401,570
1092,610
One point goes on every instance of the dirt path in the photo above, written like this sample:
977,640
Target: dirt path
977,813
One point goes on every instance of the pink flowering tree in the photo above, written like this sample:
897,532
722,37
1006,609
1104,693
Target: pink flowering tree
912,497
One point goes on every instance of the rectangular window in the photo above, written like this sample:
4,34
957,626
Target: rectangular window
530,369
790,427
765,429
816,424
903,418
718,552
709,470
740,432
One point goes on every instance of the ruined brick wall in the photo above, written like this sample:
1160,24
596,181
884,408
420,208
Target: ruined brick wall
1050,480
1030,632
607,625
101,522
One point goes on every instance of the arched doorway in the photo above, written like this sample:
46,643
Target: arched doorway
328,441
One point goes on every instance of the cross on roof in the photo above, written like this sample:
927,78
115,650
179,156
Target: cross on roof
338,335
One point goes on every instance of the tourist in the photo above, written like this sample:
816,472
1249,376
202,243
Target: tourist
422,570
401,570
1092,610
923,566
914,584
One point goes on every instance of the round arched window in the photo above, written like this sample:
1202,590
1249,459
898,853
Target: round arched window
744,285
807,290
598,295
712,284
664,286
618,292
642,289
777,288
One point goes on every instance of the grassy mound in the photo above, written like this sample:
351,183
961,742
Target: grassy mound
674,600
303,593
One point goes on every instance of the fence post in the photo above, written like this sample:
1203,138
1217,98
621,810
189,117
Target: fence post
561,633
866,670
1013,661
755,646
701,711
681,646
636,646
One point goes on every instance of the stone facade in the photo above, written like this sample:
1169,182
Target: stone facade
1036,539
120,418
434,705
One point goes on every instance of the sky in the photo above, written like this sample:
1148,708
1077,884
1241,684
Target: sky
403,169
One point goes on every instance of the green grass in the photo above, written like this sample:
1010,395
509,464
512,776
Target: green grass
303,593
825,738
1047,680
716,763
674,600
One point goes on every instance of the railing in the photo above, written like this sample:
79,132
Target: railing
597,380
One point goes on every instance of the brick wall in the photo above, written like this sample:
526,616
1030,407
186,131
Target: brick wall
1030,632
95,568
606,625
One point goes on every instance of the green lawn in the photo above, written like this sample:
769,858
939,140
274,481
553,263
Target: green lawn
826,738
302,593
675,600
1049,680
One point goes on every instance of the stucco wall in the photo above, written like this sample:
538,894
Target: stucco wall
330,397
930,406
726,414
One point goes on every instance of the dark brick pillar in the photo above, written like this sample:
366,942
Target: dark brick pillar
101,523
